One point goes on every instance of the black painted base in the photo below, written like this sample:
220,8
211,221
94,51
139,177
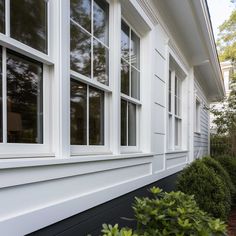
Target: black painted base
90,221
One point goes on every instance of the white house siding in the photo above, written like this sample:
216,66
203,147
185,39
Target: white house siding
36,192
201,139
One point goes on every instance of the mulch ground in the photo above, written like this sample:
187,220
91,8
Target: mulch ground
232,223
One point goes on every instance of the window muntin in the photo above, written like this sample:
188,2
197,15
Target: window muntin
130,84
90,39
2,16
87,114
28,23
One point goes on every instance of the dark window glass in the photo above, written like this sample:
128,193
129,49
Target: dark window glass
80,51
132,124
96,117
135,50
123,123
2,16
1,95
80,11
28,23
78,113
100,62
101,20
24,100
135,83
124,77
125,40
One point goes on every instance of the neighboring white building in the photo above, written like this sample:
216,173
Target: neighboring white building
227,70
99,99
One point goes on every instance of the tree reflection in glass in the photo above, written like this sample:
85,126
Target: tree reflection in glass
135,50
124,77
28,23
78,113
24,100
2,16
96,117
100,62
125,39
101,20
80,51
80,12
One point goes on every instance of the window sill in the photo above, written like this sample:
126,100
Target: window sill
33,162
176,151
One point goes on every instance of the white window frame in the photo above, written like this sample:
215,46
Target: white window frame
77,150
129,99
23,150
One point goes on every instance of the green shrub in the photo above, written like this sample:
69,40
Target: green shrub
209,189
170,214
229,164
222,173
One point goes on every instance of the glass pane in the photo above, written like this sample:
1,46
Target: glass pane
78,113
100,20
24,100
176,86
132,124
100,62
124,77
125,40
135,50
170,131
123,120
80,51
177,132
1,95
28,23
135,83
96,117
80,11
176,106
2,16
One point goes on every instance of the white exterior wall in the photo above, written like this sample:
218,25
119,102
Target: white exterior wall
37,192
201,137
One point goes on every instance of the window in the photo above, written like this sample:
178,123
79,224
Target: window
197,115
89,58
174,110
21,103
130,84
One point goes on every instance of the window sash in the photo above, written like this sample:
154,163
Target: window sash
93,39
28,149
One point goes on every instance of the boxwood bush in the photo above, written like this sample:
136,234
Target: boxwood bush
173,213
222,173
210,191
229,164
